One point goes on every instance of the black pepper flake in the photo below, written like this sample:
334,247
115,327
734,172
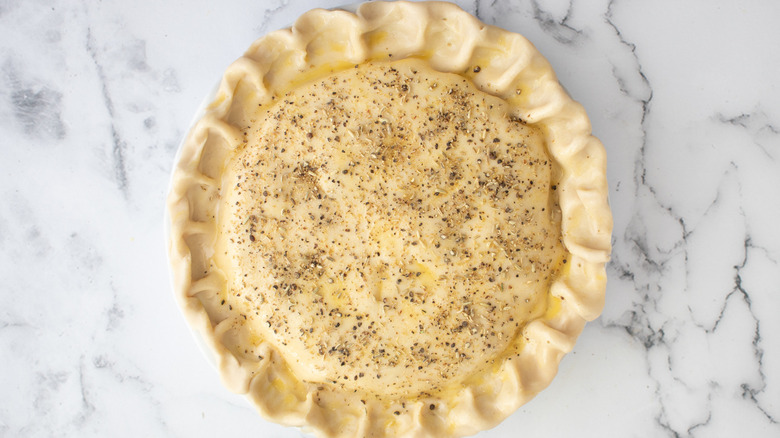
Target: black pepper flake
432,406
477,69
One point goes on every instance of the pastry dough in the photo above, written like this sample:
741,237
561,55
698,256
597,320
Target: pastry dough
390,223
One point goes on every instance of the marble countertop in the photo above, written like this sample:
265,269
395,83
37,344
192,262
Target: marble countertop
95,97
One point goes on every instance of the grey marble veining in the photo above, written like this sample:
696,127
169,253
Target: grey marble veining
95,97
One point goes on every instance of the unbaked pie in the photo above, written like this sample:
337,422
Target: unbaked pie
390,223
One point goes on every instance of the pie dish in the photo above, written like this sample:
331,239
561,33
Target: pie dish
392,222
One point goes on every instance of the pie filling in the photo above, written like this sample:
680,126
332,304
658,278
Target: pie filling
390,229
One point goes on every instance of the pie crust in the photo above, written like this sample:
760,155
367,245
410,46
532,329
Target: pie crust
390,223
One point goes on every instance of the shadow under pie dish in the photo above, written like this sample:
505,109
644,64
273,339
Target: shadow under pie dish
392,222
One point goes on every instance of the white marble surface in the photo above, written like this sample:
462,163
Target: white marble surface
95,96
